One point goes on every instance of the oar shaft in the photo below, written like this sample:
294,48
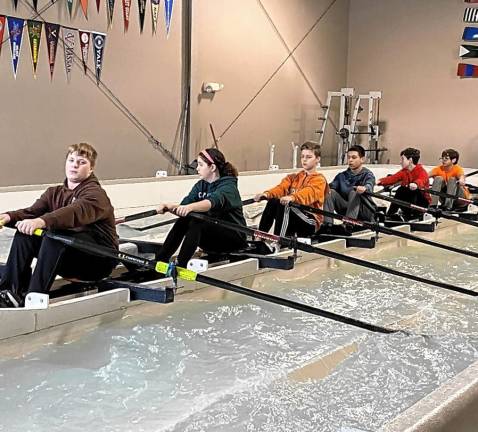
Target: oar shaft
447,195
136,216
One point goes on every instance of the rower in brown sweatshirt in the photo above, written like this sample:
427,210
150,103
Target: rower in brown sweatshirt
78,207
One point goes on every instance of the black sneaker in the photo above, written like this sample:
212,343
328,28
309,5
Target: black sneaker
9,300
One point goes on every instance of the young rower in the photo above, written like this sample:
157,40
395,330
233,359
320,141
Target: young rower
411,177
80,208
217,195
346,190
449,177
306,187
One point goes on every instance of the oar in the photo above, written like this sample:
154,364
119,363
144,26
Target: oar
185,274
471,173
293,243
136,216
447,195
374,226
163,223
435,212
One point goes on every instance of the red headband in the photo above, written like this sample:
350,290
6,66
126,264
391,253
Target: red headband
207,156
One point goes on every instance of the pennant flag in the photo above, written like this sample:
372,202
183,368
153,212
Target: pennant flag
69,49
470,15
2,30
99,40
35,5
471,1
15,30
467,70
468,51
84,47
15,4
142,11
126,10
168,11
52,31
111,9
69,3
155,13
34,34
84,7
470,34
98,5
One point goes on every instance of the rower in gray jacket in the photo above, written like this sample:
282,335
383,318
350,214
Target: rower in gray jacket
346,190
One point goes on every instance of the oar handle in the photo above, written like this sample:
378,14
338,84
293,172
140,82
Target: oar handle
136,216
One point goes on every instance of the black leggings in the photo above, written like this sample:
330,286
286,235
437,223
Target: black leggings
296,221
416,197
53,258
193,233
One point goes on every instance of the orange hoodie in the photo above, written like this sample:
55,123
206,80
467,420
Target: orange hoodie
306,189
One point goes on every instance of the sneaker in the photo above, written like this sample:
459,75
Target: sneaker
9,300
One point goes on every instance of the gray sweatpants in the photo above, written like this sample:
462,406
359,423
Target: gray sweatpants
354,207
450,187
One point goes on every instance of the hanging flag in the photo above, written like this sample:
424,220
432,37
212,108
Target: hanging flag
470,34
111,9
84,47
2,29
467,70
15,31
69,49
84,7
69,3
98,5
142,11
126,10
99,40
52,32
35,4
168,11
15,4
34,34
155,13
470,15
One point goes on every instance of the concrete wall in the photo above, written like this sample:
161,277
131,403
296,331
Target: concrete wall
409,50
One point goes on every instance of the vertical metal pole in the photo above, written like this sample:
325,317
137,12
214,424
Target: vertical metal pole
186,42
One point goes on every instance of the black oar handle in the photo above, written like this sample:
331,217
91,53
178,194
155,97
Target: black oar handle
136,216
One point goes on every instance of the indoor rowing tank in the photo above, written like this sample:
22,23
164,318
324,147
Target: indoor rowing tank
216,361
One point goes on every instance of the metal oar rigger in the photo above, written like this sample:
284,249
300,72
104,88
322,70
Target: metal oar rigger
374,226
185,274
294,244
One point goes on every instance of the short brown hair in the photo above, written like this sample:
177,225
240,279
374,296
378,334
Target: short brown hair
311,145
411,153
85,150
452,154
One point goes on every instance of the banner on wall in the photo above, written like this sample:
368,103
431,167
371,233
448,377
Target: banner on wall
52,31
99,40
155,13
15,31
34,35
69,3
84,7
168,13
467,70
35,5
142,11
98,2
84,47
111,9
126,11
15,4
470,15
2,29
470,34
69,49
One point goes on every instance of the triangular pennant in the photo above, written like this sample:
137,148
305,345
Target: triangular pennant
168,13
142,11
15,4
126,10
84,47
98,2
35,5
463,51
15,31
34,35
469,51
2,29
52,31
69,3
84,7
470,34
99,40
111,9
69,49
155,13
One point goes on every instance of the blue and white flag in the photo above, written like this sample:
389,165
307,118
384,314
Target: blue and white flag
99,40
168,11
15,31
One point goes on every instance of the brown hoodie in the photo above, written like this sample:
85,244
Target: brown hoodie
86,208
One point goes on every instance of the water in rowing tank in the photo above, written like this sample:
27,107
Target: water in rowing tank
232,364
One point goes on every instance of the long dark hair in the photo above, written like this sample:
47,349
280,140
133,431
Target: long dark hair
214,156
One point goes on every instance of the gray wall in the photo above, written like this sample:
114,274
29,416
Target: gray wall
409,50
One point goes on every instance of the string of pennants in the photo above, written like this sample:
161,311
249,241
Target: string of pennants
470,34
15,28
127,6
